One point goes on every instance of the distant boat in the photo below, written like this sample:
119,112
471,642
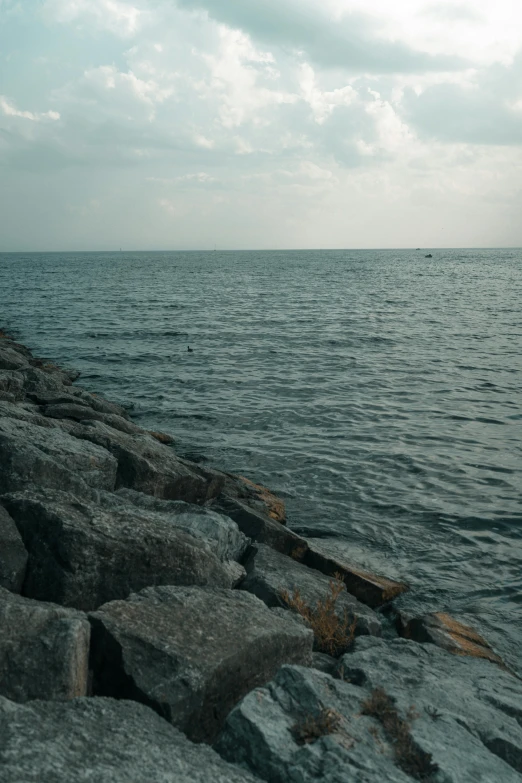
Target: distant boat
428,256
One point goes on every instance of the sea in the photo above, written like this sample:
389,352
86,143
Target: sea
379,392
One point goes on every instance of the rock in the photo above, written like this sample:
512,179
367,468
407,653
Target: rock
82,555
44,650
370,589
191,653
13,554
306,726
272,575
223,535
162,437
12,383
258,497
146,465
325,663
102,740
10,359
261,528
465,714
50,457
446,632
79,412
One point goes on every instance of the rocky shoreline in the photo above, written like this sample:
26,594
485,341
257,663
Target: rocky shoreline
160,622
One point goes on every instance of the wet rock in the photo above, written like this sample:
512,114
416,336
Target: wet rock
102,740
371,589
50,457
191,653
12,384
273,577
448,633
461,716
259,527
146,465
80,412
44,650
11,359
257,497
13,554
82,555
217,530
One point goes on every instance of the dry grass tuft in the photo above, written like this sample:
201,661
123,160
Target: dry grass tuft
333,634
315,726
409,757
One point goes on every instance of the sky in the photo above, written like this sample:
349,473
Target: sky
194,124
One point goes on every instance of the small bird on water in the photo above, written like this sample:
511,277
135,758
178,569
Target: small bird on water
190,350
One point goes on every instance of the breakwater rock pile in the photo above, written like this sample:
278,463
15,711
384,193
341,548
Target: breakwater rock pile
160,623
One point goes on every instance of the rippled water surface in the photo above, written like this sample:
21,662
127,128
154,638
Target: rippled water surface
379,392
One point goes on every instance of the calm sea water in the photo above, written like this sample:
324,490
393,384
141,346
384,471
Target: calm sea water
379,392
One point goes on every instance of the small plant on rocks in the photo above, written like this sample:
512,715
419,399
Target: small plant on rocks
314,726
334,633
409,757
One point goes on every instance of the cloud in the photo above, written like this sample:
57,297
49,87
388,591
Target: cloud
11,111
120,18
348,41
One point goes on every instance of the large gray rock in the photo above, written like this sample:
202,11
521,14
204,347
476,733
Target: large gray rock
461,716
258,526
191,652
30,454
81,555
148,466
224,536
77,411
101,741
13,554
44,650
372,589
11,359
12,384
272,576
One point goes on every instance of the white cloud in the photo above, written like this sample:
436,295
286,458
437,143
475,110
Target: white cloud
122,19
321,102
11,111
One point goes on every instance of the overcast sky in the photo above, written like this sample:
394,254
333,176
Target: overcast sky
260,124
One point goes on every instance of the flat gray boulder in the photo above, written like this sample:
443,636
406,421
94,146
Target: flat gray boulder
12,384
13,554
102,741
149,466
223,535
257,525
372,589
82,555
49,457
192,653
10,358
403,711
275,578
76,411
44,650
